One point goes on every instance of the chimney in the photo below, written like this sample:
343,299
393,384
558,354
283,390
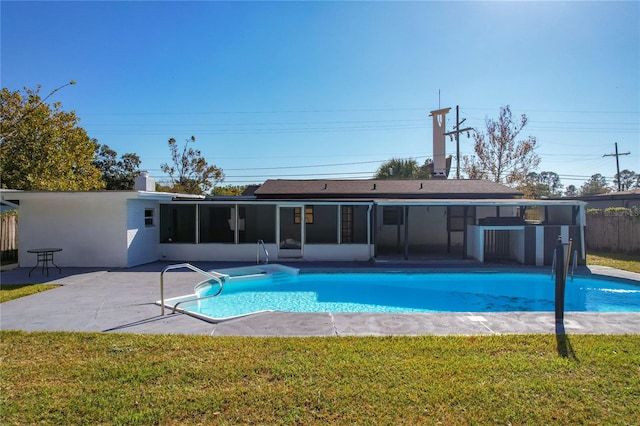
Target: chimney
439,152
144,182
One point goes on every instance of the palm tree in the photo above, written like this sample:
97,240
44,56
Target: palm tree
402,168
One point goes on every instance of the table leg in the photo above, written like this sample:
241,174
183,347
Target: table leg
59,270
37,263
45,262
42,259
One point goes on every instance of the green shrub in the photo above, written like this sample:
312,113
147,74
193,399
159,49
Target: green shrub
622,211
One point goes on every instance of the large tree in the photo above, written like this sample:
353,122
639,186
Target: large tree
571,191
542,185
628,180
42,147
229,190
189,172
597,184
532,187
499,155
116,174
406,168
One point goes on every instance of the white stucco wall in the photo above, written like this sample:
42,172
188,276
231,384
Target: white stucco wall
341,252
212,252
428,224
247,252
91,230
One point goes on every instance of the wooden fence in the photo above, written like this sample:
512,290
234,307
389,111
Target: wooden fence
613,233
9,237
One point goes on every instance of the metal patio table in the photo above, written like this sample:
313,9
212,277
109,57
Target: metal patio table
44,256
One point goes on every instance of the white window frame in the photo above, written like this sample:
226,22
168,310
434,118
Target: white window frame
149,220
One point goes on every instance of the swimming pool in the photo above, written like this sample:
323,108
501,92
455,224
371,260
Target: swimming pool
408,292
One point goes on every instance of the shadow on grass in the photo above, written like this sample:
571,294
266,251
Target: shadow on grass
565,349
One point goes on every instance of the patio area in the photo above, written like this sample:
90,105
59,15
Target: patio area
123,301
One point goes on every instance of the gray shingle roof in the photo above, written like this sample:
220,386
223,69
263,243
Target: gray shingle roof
385,188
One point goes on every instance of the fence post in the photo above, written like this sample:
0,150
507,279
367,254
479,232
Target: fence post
560,280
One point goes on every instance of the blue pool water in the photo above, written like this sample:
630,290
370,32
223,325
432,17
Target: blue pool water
414,292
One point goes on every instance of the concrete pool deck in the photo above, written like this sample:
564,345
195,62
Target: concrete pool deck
123,301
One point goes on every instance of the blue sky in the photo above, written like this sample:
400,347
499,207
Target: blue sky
333,89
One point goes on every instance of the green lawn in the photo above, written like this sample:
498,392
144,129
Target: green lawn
14,291
626,262
89,378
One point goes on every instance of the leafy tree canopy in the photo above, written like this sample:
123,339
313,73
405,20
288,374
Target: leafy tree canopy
189,172
116,174
541,185
571,191
229,190
628,180
42,147
499,156
406,168
597,184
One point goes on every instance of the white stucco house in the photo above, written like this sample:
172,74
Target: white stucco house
313,220
102,228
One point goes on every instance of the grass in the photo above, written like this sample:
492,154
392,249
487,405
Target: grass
626,262
15,291
90,378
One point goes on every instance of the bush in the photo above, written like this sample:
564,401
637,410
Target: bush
622,211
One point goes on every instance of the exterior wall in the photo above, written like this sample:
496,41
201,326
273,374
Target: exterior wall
320,238
516,246
210,252
627,203
248,252
531,245
475,243
613,200
342,252
427,229
142,240
90,230
492,211
476,240
107,229
558,215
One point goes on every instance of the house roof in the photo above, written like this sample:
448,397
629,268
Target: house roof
104,194
630,194
386,188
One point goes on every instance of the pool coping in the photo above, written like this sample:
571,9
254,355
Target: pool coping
123,301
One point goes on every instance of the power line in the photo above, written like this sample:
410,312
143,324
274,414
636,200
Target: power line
617,155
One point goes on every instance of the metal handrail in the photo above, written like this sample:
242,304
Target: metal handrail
573,265
567,260
173,309
264,248
193,268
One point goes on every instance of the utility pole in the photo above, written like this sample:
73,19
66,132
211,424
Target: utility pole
457,132
617,162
